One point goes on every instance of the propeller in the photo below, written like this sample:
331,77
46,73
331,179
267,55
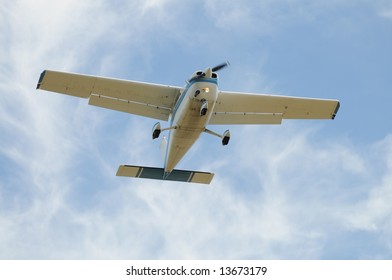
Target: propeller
220,66
213,69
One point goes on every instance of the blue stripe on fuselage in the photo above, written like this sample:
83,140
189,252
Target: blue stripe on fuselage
204,80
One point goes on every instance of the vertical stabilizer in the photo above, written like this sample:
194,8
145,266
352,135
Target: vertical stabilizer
163,148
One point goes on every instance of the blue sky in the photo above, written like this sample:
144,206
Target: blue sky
302,190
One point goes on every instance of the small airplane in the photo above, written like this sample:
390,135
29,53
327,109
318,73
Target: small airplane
189,110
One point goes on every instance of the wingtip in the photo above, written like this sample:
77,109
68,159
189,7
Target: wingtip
41,77
336,110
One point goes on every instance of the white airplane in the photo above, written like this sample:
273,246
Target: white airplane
189,110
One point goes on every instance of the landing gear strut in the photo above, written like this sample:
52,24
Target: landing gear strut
225,137
156,130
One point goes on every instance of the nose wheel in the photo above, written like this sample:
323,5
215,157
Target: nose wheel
203,107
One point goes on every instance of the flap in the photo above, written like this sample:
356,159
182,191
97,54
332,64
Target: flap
245,118
125,106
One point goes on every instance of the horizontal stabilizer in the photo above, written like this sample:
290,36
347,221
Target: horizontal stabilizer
159,174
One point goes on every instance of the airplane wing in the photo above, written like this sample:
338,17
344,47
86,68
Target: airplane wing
144,99
246,108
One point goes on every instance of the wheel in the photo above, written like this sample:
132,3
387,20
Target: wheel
156,133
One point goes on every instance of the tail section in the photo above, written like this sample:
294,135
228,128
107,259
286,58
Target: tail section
159,174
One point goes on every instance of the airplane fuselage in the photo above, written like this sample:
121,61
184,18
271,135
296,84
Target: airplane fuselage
188,119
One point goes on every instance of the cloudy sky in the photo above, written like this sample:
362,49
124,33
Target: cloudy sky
302,190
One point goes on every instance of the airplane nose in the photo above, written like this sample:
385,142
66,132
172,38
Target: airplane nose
208,73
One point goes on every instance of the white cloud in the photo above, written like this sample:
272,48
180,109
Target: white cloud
264,17
373,213
273,217
386,13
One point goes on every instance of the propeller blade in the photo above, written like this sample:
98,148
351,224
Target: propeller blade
220,66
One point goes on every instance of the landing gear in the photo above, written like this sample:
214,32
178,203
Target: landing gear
203,107
225,137
156,131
